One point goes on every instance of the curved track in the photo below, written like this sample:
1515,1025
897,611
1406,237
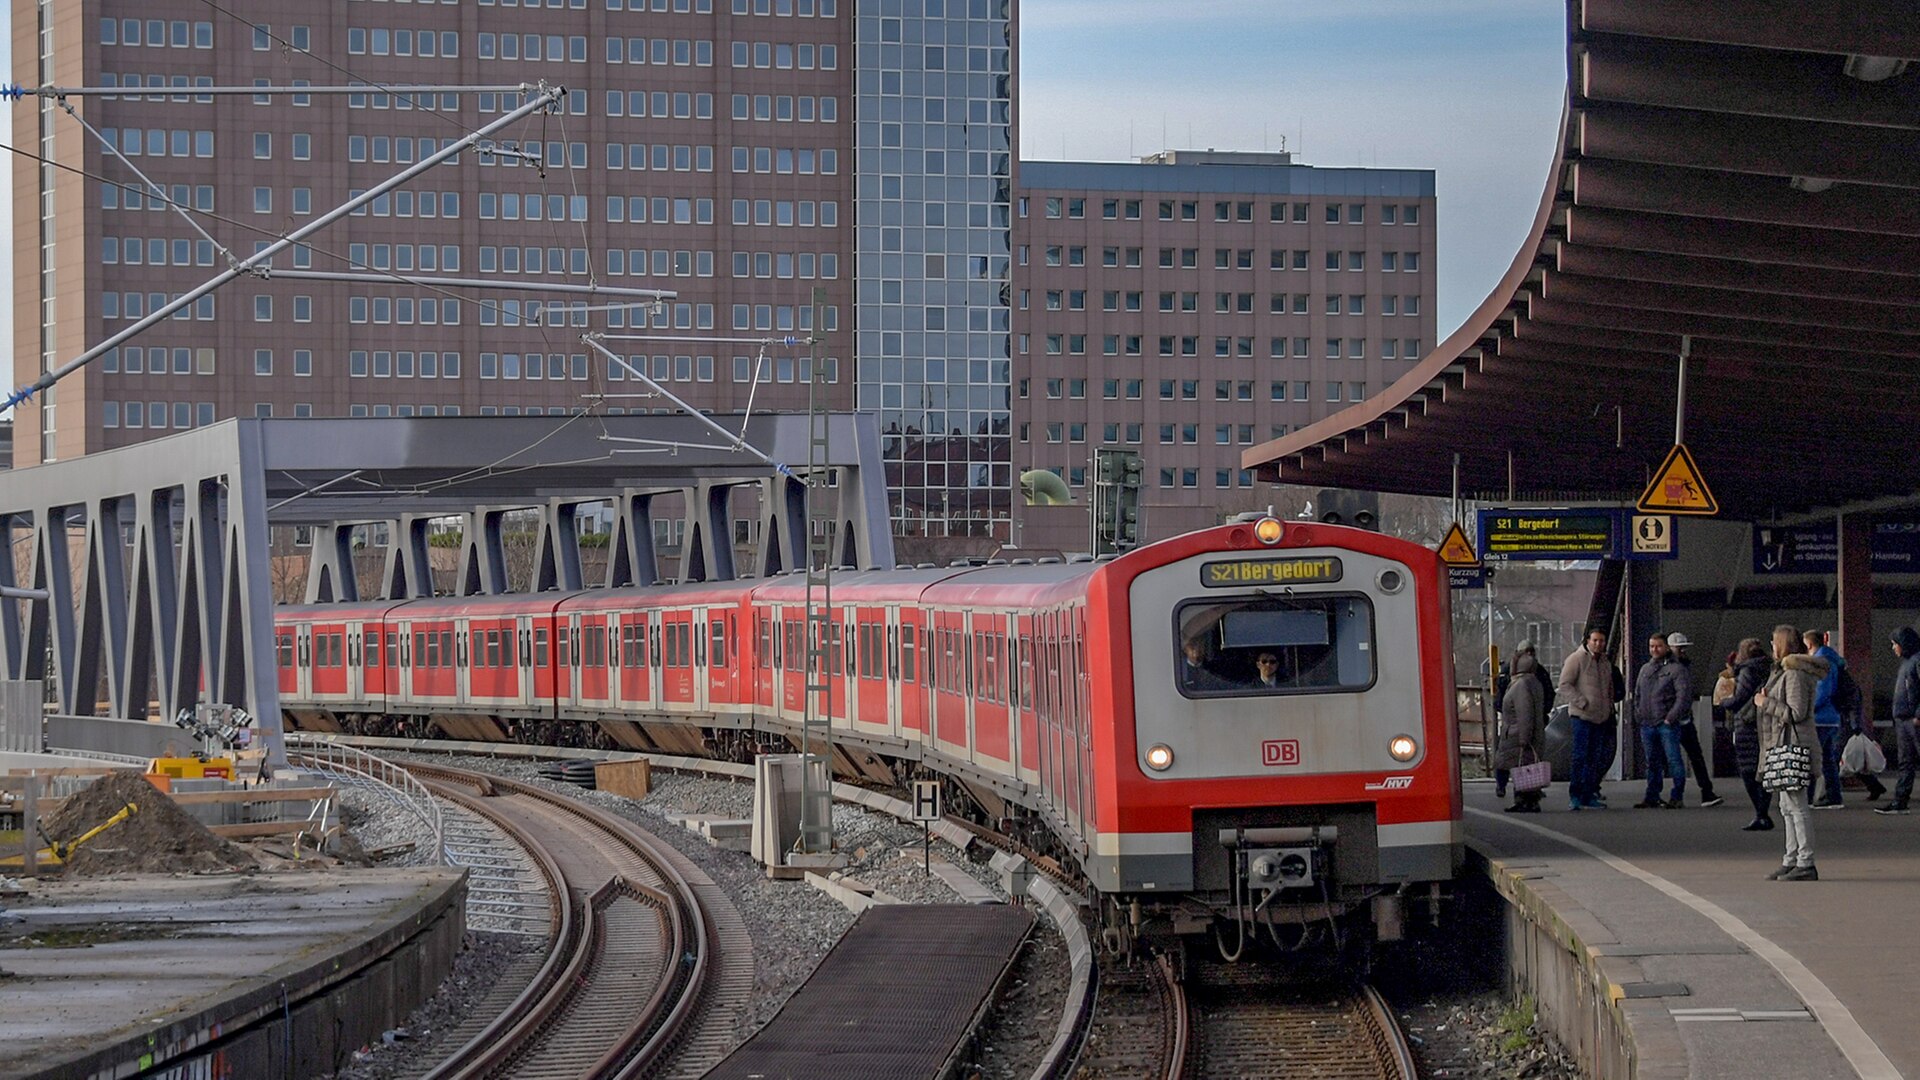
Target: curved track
1247,1022
630,954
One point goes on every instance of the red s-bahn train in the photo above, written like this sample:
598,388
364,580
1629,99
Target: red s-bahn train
1251,724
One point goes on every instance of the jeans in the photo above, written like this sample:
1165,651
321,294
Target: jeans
1661,744
1826,785
1593,749
1690,742
1909,760
1799,824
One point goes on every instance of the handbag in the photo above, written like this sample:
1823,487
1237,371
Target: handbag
1533,776
1787,766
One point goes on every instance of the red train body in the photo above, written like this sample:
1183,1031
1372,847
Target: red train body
1208,727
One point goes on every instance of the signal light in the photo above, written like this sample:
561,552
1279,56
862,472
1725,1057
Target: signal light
1269,530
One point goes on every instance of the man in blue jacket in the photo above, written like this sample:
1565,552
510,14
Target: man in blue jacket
1826,721
1906,705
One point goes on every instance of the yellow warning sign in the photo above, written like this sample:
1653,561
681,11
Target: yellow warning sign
1456,549
1678,488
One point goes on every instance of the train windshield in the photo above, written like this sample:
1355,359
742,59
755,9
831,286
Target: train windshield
1255,646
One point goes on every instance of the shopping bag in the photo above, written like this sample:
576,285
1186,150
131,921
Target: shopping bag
1532,777
1786,767
1862,756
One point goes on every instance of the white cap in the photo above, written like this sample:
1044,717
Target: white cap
1679,640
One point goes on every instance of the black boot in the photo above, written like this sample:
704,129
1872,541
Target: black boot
1758,824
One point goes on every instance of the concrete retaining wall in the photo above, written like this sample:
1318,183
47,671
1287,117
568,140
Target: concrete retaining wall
1549,958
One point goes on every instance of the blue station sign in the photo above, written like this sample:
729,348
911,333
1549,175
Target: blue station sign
1815,548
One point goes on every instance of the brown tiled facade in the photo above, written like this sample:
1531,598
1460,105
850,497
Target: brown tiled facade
1195,304
705,147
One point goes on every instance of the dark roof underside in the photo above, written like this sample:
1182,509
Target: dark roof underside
1745,174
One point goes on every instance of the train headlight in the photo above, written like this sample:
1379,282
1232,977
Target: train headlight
1159,757
1403,747
1268,530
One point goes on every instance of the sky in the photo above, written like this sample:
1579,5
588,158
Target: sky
1471,89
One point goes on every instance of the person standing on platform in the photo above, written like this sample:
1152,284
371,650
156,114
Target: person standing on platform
1746,674
1689,735
1824,792
1785,708
1906,705
1590,686
1523,726
1662,694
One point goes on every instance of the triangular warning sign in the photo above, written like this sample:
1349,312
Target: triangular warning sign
1678,488
1456,549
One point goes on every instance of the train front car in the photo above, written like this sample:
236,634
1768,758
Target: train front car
1283,753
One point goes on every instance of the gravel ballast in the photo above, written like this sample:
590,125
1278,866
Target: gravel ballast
793,925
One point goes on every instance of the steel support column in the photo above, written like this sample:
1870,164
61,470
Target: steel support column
1855,595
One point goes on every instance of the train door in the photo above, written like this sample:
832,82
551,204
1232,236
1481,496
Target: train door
992,714
723,656
303,661
891,689
596,675
1083,697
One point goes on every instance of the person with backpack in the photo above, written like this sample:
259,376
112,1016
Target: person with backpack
1906,705
1824,793
1746,673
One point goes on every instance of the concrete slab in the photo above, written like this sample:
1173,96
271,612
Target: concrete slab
108,972
1678,896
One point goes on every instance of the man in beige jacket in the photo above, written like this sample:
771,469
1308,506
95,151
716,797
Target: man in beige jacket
1590,687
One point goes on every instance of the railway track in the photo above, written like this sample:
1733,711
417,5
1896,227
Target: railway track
1251,1022
631,945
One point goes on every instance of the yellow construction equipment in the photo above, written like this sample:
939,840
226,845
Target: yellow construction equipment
58,851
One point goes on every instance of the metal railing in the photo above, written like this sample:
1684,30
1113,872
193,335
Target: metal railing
376,775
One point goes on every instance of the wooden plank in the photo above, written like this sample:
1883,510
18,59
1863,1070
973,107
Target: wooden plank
254,795
261,828
628,778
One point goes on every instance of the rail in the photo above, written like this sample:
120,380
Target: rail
356,768
565,1005
1259,1023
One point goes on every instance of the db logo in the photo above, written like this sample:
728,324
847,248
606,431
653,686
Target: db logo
1392,783
1280,752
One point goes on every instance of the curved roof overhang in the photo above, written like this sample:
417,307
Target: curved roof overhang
1744,175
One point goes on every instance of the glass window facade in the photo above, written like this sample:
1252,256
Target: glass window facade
934,142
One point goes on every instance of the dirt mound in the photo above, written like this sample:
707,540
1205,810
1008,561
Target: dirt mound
159,837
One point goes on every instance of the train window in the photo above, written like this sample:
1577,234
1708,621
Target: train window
373,650
1301,644
283,650
493,648
540,647
427,647
719,644
478,648
393,647
906,652
446,648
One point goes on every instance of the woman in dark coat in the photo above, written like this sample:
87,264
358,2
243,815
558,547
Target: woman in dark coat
1523,726
1749,674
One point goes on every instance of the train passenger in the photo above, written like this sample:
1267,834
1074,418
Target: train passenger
1523,727
1746,673
1785,707
1825,793
1267,672
1690,735
1662,700
1906,705
1591,687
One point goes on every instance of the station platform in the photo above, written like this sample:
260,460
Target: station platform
113,976
894,999
1710,970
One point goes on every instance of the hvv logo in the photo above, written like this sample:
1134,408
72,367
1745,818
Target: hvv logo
1392,783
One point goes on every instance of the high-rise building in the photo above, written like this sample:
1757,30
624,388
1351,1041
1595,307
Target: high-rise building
1194,304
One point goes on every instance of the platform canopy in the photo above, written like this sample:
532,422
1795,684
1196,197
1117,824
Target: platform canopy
1743,173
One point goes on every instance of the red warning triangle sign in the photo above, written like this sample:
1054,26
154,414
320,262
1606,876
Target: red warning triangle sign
1456,549
1678,487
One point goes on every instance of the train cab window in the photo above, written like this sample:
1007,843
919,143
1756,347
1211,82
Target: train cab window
1302,644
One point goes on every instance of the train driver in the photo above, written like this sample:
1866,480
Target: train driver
1195,672
1266,668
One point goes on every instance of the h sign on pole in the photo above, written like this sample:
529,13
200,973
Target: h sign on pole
926,811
